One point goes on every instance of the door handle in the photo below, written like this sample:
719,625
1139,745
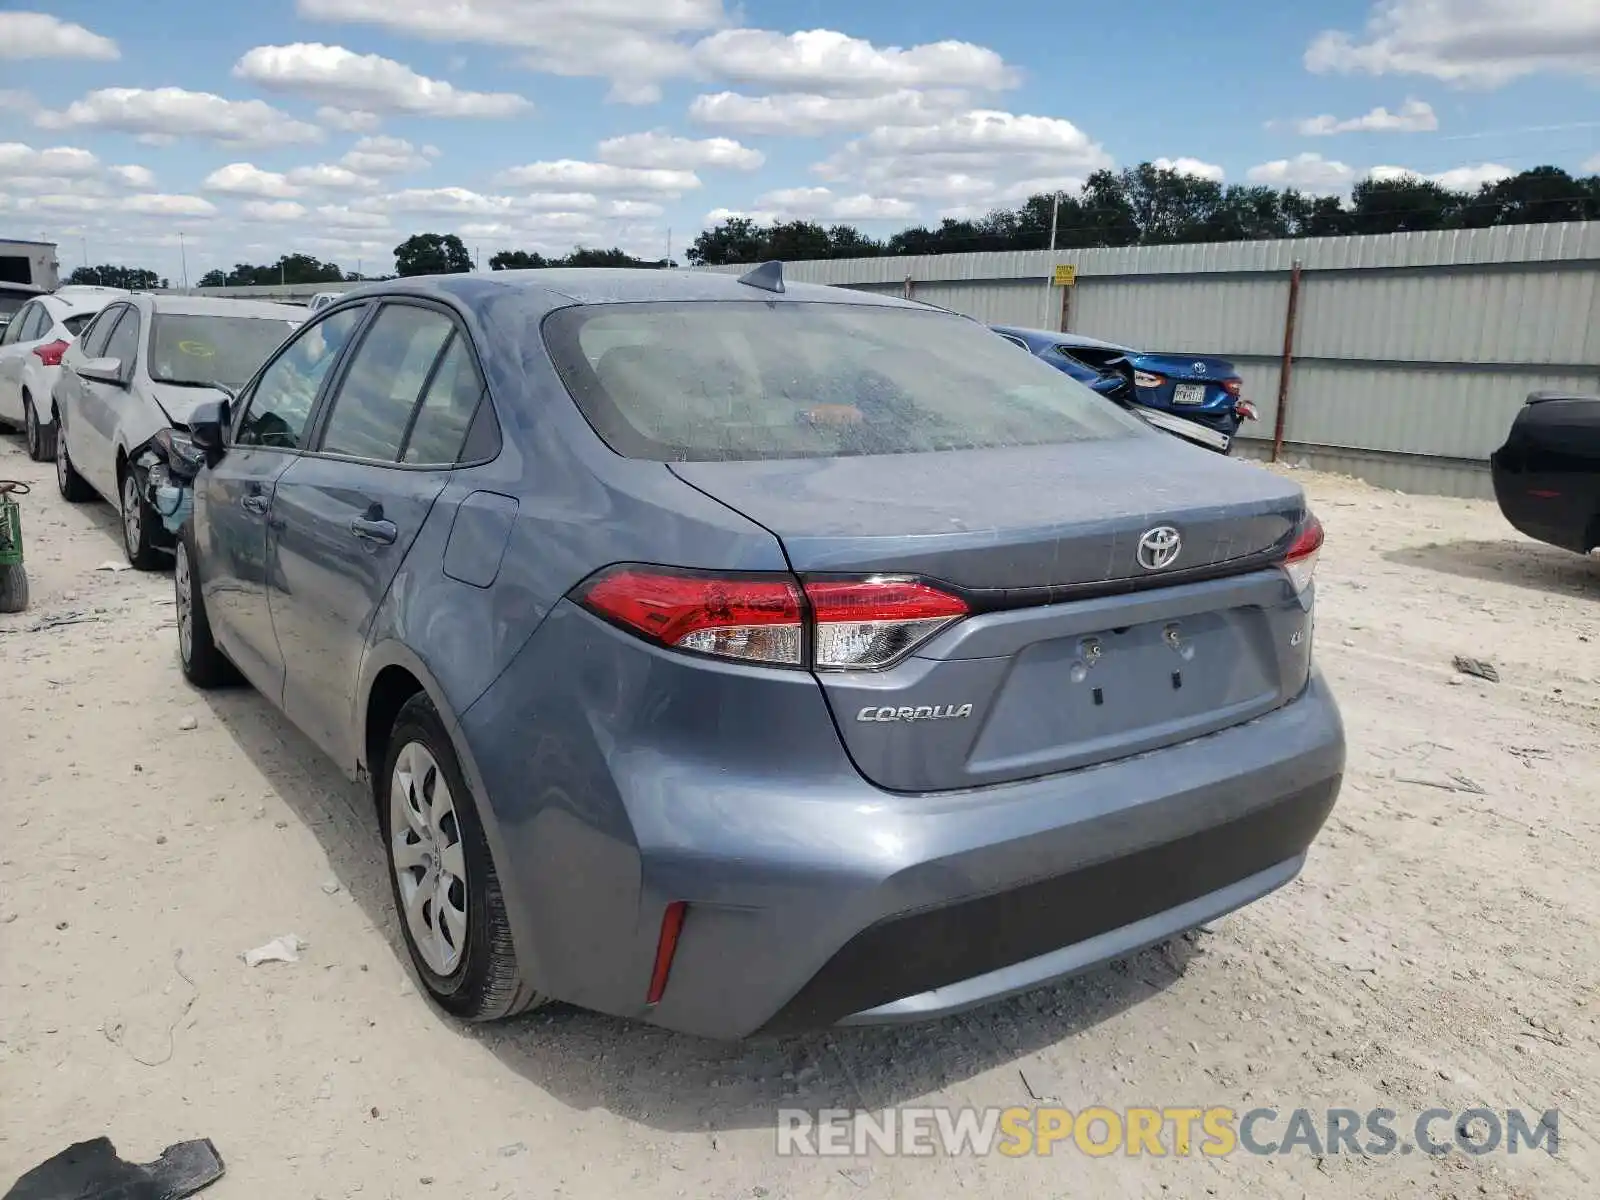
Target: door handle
256,503
380,531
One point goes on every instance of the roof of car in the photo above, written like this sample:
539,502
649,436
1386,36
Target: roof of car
221,306
1054,338
604,285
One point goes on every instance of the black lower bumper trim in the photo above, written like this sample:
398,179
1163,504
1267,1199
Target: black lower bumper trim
906,955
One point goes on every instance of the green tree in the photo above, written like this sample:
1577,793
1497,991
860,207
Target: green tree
516,260
214,278
135,279
1408,204
431,254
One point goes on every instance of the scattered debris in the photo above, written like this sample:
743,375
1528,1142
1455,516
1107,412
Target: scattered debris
1478,667
1040,1082
280,949
92,1171
113,565
1447,782
859,1176
55,622
513,1150
330,887
188,723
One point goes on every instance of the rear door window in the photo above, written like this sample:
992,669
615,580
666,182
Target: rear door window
752,380
123,344
395,361
17,331
78,322
440,429
94,343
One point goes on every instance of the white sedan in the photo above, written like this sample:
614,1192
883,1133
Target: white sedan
30,358
138,372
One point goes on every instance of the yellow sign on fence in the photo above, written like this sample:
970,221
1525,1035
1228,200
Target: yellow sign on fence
1066,274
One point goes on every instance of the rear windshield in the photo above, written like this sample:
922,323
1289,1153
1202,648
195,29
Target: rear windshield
751,380
78,322
202,350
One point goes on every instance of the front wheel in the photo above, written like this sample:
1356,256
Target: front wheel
446,890
203,663
41,439
139,521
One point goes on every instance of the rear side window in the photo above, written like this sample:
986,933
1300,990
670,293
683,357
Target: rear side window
386,377
453,396
753,380
78,322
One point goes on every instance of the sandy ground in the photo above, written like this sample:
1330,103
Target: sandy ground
1439,950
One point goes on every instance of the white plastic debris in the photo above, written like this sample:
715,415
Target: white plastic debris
111,565
280,949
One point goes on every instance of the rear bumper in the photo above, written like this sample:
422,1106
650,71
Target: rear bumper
814,897
1560,507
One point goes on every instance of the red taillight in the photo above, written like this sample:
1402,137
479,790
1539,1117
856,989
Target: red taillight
1301,561
875,622
1245,410
50,353
753,619
1232,386
666,947
854,623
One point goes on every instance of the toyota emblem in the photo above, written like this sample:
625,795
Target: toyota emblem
1159,547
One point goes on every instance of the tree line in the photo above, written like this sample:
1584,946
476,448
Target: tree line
1148,206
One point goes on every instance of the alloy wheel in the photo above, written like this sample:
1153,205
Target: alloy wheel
180,583
429,864
62,466
31,428
132,520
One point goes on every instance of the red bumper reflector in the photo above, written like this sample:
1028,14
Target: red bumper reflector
1543,494
666,947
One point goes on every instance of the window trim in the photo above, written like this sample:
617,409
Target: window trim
326,401
247,393
131,367
1016,341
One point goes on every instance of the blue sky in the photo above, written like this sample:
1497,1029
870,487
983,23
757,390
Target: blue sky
337,127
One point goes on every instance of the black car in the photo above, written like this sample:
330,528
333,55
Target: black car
1547,475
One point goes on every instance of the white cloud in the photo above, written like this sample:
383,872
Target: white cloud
367,82
822,204
802,114
133,175
634,43
569,174
338,216
1308,172
157,205
19,159
1482,43
18,102
247,179
661,149
1458,179
39,35
633,209
273,210
161,114
977,160
443,201
1592,167
1415,116
332,178
348,120
384,156
831,63
1192,166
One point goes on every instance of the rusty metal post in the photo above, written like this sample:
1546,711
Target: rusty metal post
1066,308
910,287
1286,367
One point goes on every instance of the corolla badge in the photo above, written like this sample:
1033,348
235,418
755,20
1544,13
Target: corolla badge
921,712
1159,547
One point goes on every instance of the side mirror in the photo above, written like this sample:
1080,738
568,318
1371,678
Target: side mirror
103,370
206,424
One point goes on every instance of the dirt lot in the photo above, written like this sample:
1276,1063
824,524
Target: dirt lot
1439,950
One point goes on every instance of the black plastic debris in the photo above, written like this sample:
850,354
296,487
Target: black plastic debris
92,1171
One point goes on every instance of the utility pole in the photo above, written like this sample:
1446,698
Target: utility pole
183,260
1055,209
669,249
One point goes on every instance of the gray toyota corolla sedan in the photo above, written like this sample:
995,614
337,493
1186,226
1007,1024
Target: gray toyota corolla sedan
743,657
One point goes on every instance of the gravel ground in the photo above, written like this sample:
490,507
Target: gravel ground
1438,951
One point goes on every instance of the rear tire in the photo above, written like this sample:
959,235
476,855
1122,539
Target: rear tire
74,489
431,829
41,440
203,663
13,588
139,521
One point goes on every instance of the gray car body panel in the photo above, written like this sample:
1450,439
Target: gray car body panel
614,776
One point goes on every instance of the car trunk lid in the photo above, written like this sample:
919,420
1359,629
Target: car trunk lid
1077,650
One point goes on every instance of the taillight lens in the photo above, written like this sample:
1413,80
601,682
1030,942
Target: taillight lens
866,623
756,620
1245,410
50,353
1232,386
1301,561
1148,379
855,624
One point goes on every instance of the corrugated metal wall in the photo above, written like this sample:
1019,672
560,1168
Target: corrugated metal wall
1412,351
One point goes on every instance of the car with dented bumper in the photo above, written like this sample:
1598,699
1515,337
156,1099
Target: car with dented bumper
742,656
